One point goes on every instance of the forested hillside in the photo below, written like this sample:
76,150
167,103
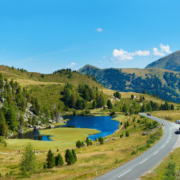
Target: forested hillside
170,62
164,83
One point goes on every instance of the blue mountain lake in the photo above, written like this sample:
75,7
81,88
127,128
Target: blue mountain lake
101,123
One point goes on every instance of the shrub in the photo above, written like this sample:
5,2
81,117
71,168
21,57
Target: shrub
134,152
113,113
74,113
127,134
101,140
45,166
134,119
82,144
78,144
150,141
171,173
87,111
142,148
138,121
121,135
148,145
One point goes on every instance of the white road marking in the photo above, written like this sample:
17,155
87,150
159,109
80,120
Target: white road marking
163,146
144,161
124,173
156,153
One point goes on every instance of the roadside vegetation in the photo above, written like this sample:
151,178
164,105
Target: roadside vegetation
169,115
168,168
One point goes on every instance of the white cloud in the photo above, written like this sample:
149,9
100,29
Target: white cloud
104,57
100,62
71,65
142,53
121,55
156,52
165,48
3,50
99,30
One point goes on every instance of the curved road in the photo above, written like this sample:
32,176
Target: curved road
136,167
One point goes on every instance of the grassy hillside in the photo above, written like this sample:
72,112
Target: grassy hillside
49,88
25,78
171,62
164,83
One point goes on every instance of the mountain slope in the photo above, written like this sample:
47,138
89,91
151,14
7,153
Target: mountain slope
164,83
171,62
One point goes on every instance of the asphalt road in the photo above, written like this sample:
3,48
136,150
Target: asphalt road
138,166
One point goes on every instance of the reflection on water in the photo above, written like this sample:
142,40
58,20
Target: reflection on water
33,135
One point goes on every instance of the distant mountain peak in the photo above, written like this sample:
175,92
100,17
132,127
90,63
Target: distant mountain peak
86,68
170,62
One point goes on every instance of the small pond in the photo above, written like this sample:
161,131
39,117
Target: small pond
101,123
32,135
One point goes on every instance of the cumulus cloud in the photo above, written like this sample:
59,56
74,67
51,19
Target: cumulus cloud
71,65
142,53
99,30
3,50
121,55
163,49
156,52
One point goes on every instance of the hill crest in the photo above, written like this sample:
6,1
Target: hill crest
170,62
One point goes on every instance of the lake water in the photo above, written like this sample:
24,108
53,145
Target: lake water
101,123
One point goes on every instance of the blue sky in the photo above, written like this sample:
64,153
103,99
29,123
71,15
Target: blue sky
43,35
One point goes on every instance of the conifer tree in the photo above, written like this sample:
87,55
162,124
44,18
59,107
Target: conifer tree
87,141
50,160
127,134
59,160
34,121
94,104
69,157
21,120
74,155
73,100
28,159
3,129
109,104
11,117
1,82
